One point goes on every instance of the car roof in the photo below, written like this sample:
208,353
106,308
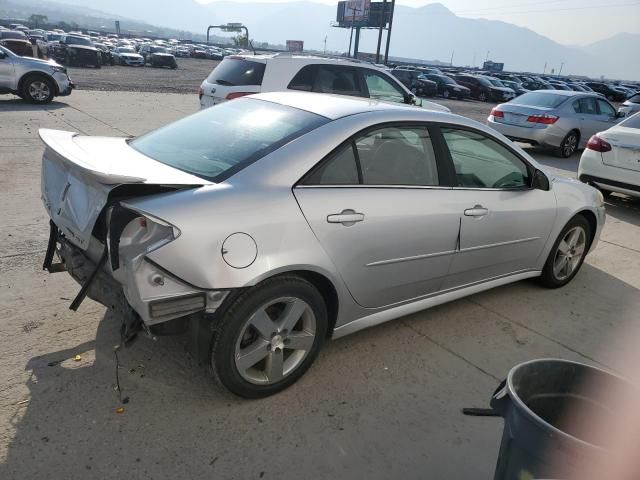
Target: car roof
568,93
336,106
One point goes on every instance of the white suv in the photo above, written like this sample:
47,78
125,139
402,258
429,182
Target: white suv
239,75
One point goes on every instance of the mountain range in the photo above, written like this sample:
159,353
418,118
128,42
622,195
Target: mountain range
428,32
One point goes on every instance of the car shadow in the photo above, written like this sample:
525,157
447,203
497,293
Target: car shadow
624,208
177,423
16,104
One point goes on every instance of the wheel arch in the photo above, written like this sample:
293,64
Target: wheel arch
590,217
38,73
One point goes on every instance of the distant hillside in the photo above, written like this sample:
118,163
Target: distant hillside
428,32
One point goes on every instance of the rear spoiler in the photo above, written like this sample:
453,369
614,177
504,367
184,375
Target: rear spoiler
62,143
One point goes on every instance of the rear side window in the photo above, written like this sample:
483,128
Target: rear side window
605,108
320,78
237,71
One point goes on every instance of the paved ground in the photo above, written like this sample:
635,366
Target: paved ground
384,403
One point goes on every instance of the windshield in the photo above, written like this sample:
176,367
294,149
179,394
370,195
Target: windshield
447,80
221,140
495,82
158,50
126,50
237,71
77,41
483,81
13,35
540,99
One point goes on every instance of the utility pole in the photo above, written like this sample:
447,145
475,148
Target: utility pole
325,44
561,65
451,62
386,51
382,24
544,70
487,58
353,18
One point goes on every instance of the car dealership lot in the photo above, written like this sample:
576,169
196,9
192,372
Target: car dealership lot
383,403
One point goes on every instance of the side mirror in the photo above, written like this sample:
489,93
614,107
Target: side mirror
540,181
620,115
2,54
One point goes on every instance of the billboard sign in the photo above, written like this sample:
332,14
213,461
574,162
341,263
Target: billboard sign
356,10
295,45
493,66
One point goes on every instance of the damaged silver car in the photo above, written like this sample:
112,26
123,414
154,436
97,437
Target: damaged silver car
265,225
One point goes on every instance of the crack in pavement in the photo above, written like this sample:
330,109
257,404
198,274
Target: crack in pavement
621,246
448,350
101,121
515,322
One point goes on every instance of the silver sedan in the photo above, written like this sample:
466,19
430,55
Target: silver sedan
562,120
268,224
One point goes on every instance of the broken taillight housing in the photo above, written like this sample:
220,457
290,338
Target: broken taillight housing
143,235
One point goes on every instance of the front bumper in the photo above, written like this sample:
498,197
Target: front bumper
133,62
64,83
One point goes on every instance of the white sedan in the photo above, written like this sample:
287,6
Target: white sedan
611,160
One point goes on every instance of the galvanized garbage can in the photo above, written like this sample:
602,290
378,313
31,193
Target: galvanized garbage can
534,401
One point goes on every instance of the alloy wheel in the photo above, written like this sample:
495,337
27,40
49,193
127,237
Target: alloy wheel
482,97
570,251
275,340
570,145
39,90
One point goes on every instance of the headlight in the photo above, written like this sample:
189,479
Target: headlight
456,89
57,69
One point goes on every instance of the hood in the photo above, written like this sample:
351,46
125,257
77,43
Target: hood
83,47
162,55
130,55
39,62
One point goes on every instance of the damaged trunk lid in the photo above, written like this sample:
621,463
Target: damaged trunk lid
79,173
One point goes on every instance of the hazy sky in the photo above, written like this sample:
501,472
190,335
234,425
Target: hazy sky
571,22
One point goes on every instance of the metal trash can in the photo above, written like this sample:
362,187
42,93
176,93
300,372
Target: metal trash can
534,401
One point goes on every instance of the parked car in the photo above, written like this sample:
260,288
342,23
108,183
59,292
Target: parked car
515,86
78,51
448,87
561,86
158,56
21,47
416,82
127,56
297,263
611,161
496,82
608,91
562,120
32,79
482,89
240,75
198,53
630,106
107,56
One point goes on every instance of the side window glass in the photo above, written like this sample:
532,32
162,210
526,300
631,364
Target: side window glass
339,80
576,106
382,88
481,162
605,108
397,156
588,106
303,80
340,169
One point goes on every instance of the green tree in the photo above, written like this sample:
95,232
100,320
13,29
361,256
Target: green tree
38,20
241,41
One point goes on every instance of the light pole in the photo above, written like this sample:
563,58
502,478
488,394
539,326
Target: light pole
561,65
487,58
325,44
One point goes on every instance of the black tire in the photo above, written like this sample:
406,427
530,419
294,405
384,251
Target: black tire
446,93
33,80
483,97
610,98
231,324
569,145
548,278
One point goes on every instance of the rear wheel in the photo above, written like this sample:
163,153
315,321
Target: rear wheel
568,253
269,336
38,89
482,97
569,145
445,94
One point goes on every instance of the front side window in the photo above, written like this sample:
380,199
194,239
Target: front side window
385,156
382,88
216,142
481,162
605,108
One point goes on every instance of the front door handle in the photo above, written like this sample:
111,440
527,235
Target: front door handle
477,211
347,217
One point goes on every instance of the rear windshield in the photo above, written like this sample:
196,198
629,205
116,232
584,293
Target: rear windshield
12,35
540,99
635,98
217,142
632,122
237,71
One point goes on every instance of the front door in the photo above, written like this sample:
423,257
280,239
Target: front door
377,208
7,73
505,224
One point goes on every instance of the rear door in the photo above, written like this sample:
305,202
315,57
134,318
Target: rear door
586,109
606,115
504,223
381,208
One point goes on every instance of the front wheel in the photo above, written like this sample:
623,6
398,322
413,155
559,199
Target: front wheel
568,253
445,94
39,90
268,337
482,97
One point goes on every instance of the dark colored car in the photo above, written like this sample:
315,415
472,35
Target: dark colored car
198,53
21,47
608,91
515,86
482,89
448,87
77,51
416,82
158,56
105,53
561,86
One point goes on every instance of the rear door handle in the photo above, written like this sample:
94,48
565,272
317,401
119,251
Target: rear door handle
477,211
347,217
